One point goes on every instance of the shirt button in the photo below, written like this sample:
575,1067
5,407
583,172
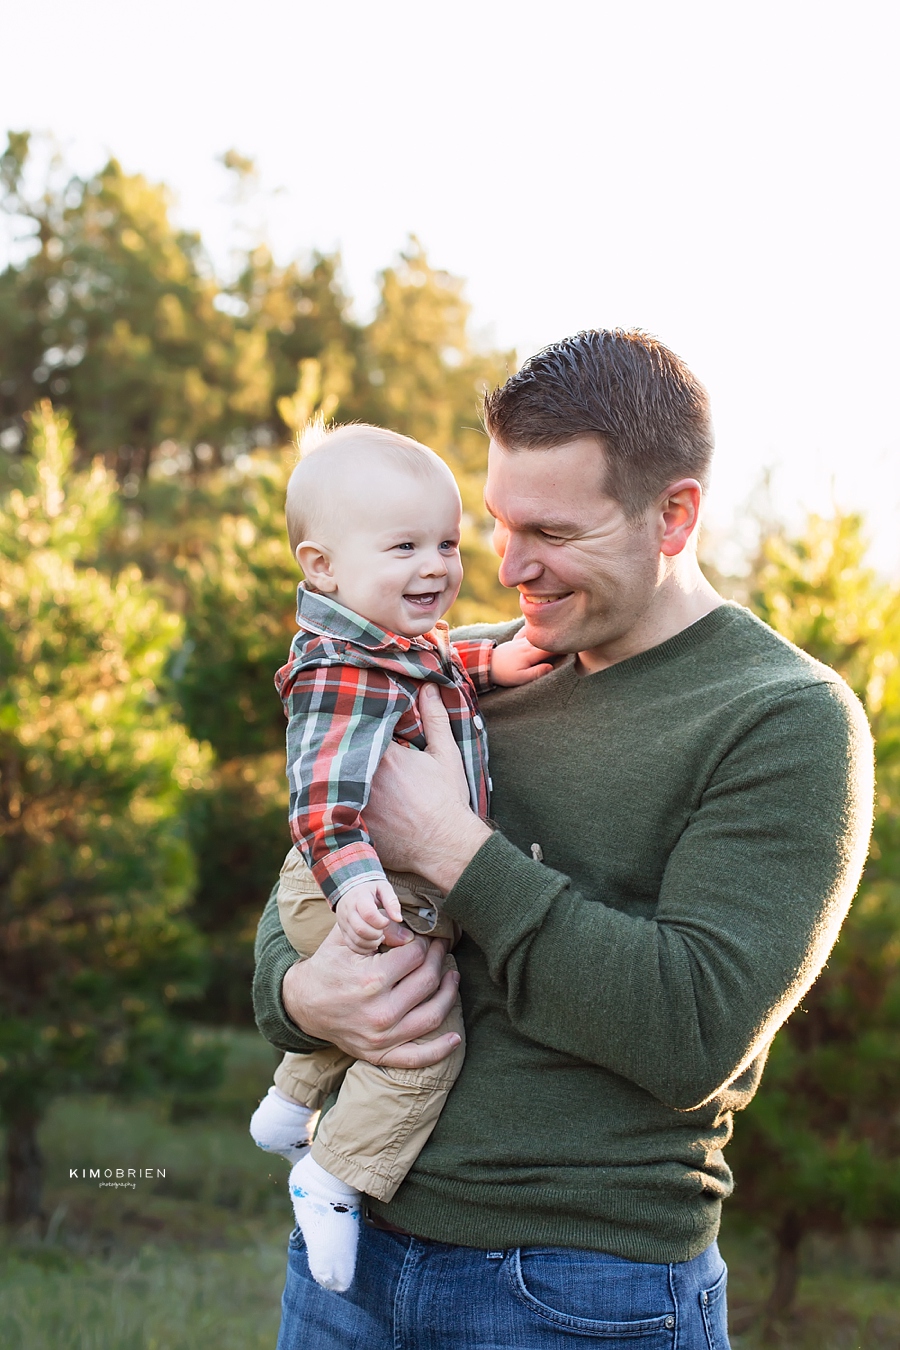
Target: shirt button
670,1322
478,723
705,1296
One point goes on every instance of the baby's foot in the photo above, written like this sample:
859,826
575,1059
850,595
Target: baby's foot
279,1125
328,1215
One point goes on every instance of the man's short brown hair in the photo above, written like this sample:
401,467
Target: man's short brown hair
622,386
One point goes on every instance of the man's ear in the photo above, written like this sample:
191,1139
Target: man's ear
316,563
679,516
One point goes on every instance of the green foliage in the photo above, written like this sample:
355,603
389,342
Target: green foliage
95,865
186,385
119,314
115,312
216,548
427,381
819,1146
304,315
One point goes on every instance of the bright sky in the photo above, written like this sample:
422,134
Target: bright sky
723,175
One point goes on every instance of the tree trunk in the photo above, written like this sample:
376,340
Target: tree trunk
787,1270
24,1169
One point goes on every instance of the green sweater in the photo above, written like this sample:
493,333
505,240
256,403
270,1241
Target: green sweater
703,810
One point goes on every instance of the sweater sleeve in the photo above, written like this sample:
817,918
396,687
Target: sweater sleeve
750,904
274,957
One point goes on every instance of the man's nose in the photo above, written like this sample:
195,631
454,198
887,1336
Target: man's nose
516,566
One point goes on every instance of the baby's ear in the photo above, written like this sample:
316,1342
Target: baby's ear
316,564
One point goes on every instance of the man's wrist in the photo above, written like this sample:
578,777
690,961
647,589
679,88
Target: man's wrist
292,998
452,850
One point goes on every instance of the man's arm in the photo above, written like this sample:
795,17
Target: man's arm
750,904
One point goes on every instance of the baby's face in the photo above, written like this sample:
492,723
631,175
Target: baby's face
395,557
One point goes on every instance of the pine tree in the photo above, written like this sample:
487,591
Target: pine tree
819,1146
193,390
116,312
95,867
427,379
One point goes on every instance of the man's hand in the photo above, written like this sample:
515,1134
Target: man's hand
418,813
375,1007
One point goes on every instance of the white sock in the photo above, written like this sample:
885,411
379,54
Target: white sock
328,1214
279,1125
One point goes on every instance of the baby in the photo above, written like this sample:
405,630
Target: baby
374,522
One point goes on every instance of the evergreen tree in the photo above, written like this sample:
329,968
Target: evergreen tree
193,391
116,312
217,542
96,954
305,316
819,1146
236,582
427,379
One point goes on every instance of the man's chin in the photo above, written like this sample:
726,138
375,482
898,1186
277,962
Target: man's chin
548,637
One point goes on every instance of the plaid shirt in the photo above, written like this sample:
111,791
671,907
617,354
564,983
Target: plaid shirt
348,688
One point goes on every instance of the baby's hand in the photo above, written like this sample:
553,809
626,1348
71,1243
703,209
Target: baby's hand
364,912
517,662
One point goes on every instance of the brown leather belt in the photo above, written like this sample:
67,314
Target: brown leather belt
376,1221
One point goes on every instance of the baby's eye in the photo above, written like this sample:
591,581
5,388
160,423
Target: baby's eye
407,547
448,545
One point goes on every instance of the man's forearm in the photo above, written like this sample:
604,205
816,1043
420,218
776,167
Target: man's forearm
450,849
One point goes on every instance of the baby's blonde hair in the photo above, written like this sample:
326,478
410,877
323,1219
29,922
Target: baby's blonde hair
327,456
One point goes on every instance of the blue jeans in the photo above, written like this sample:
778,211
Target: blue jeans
416,1295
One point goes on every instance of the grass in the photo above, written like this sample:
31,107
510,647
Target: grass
156,1299
849,1295
194,1260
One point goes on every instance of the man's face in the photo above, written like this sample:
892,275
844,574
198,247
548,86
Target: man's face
586,575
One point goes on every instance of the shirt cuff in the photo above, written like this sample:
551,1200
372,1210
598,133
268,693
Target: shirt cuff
343,868
475,655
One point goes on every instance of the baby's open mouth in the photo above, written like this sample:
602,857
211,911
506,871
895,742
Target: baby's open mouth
424,601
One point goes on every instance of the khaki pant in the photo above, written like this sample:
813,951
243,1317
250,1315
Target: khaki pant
382,1117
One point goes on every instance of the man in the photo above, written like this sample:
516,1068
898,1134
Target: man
682,810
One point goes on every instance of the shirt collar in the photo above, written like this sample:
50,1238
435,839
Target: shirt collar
317,613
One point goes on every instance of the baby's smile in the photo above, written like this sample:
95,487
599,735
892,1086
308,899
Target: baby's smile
424,600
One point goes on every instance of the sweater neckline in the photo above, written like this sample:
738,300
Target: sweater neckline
690,638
